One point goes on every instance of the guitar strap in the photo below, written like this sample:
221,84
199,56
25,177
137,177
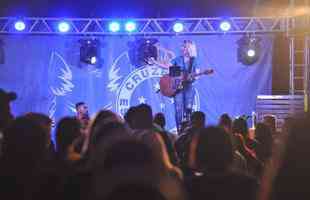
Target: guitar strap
191,63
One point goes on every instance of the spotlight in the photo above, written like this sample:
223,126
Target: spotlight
225,26
130,26
249,50
93,60
63,27
251,53
114,26
142,51
20,25
178,27
90,51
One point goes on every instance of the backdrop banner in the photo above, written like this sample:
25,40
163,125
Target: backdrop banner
47,75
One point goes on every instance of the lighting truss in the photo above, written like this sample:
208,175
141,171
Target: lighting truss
150,26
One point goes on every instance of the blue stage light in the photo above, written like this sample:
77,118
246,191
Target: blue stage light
63,27
114,26
225,26
178,27
130,26
20,25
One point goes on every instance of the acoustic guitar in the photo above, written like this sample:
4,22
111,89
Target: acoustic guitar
170,86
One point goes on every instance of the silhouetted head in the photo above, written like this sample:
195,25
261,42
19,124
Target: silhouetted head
24,143
104,117
225,122
264,138
270,121
198,119
129,152
160,120
81,108
240,126
143,117
67,131
130,117
214,151
44,121
6,116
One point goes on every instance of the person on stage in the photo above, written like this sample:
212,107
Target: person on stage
82,115
183,100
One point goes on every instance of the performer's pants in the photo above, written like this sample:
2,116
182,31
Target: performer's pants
183,103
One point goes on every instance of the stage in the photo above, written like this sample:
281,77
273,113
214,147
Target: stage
44,66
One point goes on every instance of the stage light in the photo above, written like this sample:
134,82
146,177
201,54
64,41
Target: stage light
93,60
20,25
251,53
178,27
90,51
249,49
114,26
225,26
63,27
130,26
143,51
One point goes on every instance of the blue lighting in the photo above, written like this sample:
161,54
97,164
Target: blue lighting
20,25
178,27
114,26
225,26
63,27
130,26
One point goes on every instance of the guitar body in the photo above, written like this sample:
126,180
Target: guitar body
169,86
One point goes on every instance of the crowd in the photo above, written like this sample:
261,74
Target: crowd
135,157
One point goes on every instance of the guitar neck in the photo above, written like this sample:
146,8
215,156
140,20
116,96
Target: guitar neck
205,72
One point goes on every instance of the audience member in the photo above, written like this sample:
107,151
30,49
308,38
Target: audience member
46,123
22,174
144,129
239,163
130,117
287,176
225,122
71,163
159,126
6,116
82,115
183,142
160,120
133,162
68,139
246,146
211,155
264,137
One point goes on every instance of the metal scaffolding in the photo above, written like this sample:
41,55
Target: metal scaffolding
292,26
149,26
